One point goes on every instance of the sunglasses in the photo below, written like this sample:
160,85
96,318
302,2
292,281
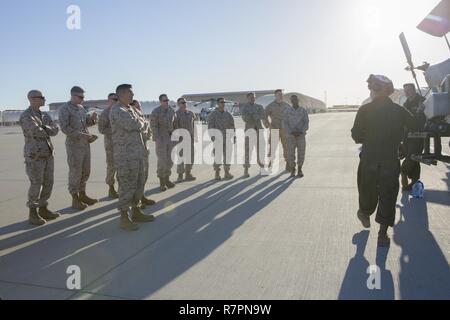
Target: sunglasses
183,102
40,97
114,99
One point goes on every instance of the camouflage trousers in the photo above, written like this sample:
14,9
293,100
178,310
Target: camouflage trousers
79,161
260,151
282,139
110,168
164,155
40,174
131,177
224,158
184,167
295,144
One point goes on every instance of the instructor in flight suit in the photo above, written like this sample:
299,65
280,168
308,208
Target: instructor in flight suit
379,126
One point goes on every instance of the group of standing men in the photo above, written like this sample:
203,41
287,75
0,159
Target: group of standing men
126,133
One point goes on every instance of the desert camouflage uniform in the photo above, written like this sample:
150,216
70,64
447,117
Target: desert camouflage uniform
275,112
254,117
186,120
161,123
130,154
222,121
37,129
74,121
295,121
104,127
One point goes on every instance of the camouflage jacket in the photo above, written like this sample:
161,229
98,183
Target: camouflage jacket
161,123
185,120
74,121
295,120
104,127
221,121
254,116
37,129
275,112
127,133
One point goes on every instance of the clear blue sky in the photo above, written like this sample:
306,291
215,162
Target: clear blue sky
194,46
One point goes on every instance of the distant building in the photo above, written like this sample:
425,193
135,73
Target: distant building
87,104
238,96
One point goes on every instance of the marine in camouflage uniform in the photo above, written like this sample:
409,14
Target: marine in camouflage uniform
146,136
255,119
185,119
130,156
37,129
222,120
104,127
295,124
74,122
274,112
161,123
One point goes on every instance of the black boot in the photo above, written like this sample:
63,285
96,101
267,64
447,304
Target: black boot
126,223
300,172
227,175
292,172
85,199
246,175
34,218
190,177
162,184
138,216
112,193
169,183
383,238
147,202
47,214
76,203
217,177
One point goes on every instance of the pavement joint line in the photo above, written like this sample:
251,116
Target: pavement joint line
155,241
34,285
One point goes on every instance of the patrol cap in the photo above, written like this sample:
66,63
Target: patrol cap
379,83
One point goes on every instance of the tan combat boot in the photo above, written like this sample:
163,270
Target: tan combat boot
76,203
34,218
138,216
85,199
47,214
112,193
126,223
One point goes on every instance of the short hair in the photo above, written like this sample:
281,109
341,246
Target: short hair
76,90
251,94
134,103
123,87
278,91
112,95
219,99
294,96
162,96
33,93
180,99
409,85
